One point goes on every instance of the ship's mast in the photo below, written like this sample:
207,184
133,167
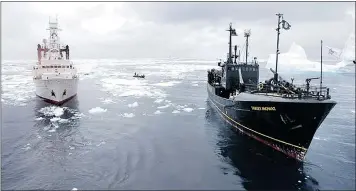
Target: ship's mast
230,31
54,44
286,26
247,34
277,52
53,34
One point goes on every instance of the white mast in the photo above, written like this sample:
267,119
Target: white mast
54,40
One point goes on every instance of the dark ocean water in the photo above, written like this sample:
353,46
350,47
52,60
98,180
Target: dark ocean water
158,133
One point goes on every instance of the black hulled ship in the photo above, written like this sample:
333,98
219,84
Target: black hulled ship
276,112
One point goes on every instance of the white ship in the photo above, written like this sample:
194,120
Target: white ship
54,75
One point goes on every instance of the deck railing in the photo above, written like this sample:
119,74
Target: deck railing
293,91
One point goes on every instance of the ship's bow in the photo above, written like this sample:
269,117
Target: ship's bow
286,126
57,91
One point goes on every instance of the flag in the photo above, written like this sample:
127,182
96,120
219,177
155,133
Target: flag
285,25
233,32
331,51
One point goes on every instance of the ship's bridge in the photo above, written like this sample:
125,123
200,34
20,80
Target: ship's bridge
54,69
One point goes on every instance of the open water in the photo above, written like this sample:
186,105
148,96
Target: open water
158,133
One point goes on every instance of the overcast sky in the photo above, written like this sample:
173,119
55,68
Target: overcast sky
176,29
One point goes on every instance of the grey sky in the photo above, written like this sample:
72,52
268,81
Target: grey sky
177,29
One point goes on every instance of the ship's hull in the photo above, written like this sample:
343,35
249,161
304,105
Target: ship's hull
287,126
56,91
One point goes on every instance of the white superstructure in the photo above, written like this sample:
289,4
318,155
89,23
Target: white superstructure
54,75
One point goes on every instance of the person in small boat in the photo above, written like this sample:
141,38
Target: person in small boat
135,74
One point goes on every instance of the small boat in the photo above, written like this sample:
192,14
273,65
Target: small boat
138,76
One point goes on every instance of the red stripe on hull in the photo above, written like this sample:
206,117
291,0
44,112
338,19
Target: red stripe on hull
56,102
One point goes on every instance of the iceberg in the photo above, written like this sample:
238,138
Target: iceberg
347,55
295,58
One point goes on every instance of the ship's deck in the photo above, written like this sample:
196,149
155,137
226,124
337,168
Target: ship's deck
273,97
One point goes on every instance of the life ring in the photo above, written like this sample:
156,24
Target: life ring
260,86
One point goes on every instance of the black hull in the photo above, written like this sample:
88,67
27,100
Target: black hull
286,126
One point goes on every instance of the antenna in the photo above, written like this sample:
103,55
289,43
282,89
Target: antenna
230,30
239,54
235,53
321,66
247,34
